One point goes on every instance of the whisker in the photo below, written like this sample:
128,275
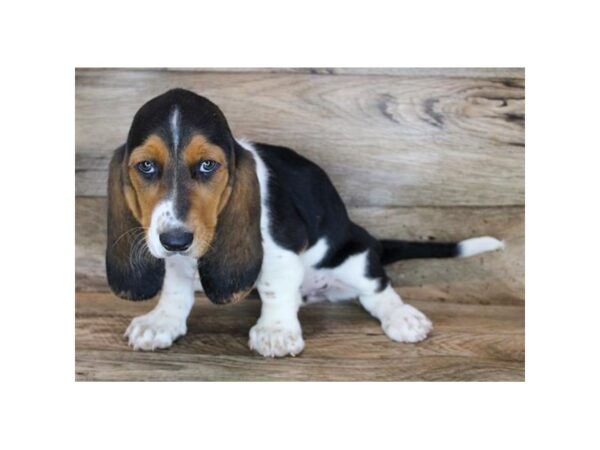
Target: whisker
139,250
131,230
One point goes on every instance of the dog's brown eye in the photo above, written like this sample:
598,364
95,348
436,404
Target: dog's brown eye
207,166
147,168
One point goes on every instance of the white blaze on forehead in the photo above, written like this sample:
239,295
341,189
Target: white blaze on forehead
175,129
174,121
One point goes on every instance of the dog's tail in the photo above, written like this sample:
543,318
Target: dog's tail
394,250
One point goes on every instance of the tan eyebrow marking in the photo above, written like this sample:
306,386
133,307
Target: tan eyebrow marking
153,148
200,148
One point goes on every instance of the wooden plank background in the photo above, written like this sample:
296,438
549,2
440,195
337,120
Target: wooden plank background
426,140
415,153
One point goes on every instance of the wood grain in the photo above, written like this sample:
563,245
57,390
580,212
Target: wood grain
343,343
385,140
440,72
425,154
495,278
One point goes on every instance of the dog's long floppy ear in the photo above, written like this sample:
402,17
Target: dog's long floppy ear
231,266
132,272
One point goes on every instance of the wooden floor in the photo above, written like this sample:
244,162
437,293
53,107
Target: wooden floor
343,343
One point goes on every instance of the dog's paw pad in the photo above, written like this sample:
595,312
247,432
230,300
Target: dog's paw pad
272,341
406,324
154,330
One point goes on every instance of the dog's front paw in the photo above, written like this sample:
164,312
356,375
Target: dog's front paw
154,330
406,324
272,341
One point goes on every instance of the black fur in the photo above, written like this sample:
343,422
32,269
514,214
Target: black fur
394,250
305,207
197,114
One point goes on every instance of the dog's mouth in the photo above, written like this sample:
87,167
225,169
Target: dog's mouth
169,253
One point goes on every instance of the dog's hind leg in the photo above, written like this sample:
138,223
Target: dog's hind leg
364,274
400,322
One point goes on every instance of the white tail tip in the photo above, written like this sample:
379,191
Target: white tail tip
475,246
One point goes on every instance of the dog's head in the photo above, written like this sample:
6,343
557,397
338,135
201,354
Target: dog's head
182,185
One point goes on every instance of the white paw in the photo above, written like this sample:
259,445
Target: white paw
271,341
157,329
406,324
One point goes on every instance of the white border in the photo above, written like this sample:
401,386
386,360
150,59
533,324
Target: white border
44,42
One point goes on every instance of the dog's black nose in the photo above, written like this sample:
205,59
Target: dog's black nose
177,240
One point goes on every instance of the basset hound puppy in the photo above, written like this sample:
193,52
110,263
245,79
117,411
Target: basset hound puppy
190,206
